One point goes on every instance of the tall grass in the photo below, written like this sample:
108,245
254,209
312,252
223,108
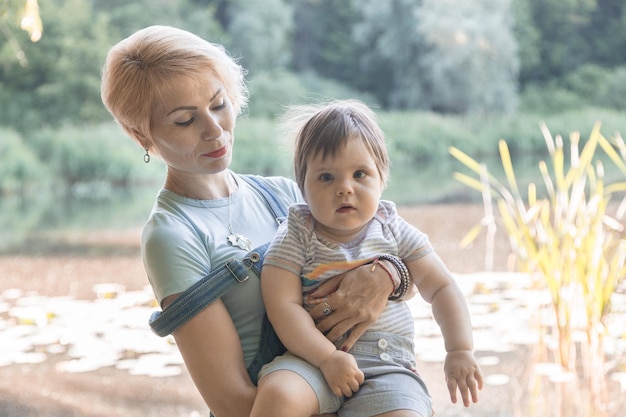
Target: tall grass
568,240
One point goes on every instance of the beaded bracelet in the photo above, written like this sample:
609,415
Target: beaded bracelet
403,272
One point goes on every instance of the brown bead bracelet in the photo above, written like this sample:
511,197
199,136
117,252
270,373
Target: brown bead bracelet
403,272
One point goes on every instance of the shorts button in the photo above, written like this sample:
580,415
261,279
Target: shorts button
382,343
385,356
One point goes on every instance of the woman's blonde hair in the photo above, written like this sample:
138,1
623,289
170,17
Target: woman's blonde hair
138,69
326,128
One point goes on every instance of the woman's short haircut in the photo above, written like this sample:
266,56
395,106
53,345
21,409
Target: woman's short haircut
139,68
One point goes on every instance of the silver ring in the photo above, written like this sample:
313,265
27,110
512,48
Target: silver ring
326,308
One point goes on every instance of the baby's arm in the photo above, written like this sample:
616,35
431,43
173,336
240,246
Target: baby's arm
437,286
282,294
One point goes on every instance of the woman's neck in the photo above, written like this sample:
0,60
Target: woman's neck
201,187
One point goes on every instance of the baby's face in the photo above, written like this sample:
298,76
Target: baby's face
343,190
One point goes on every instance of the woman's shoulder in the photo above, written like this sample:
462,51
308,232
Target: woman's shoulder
168,222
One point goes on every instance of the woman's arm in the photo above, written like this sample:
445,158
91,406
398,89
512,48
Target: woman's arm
212,352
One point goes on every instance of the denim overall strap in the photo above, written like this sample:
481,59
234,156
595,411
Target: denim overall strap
220,280
270,346
258,183
206,291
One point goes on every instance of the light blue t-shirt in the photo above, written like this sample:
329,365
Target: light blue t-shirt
185,238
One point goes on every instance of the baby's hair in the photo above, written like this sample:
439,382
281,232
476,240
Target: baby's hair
326,128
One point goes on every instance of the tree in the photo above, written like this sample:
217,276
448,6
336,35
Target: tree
391,49
26,13
62,79
260,33
472,59
197,16
323,41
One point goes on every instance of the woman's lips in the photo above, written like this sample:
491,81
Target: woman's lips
217,153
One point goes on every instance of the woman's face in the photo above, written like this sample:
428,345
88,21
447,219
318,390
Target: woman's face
192,125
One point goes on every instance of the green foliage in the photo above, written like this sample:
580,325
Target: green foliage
430,55
388,62
549,99
587,81
614,92
125,17
60,78
20,167
418,136
323,41
259,33
103,153
589,85
470,64
269,98
95,154
260,149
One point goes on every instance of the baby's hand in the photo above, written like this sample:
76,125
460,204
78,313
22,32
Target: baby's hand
342,373
462,372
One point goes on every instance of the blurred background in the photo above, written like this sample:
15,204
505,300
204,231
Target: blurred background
74,190
439,72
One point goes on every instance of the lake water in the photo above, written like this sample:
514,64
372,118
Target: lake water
98,206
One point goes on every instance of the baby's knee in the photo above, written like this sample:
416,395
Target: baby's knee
285,393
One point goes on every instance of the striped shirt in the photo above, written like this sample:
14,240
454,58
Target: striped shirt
298,249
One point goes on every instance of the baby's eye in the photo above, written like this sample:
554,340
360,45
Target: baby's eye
360,174
326,177
185,123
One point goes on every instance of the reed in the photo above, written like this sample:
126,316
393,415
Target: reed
569,240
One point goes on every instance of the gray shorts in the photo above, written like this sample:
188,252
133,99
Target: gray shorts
391,380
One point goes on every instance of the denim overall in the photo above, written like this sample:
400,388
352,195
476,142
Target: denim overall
220,281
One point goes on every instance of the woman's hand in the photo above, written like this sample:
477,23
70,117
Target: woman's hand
357,298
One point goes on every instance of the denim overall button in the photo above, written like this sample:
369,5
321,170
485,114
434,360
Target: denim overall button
255,257
382,343
385,356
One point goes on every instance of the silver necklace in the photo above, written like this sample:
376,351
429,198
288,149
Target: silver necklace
236,239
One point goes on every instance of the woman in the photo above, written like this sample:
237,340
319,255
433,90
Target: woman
178,96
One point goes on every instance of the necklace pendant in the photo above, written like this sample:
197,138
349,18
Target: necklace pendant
240,241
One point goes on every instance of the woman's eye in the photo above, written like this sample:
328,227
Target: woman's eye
326,177
220,105
185,123
360,174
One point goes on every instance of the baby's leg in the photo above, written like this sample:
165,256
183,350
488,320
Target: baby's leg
284,393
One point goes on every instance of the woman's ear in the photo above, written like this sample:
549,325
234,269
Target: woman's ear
140,138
